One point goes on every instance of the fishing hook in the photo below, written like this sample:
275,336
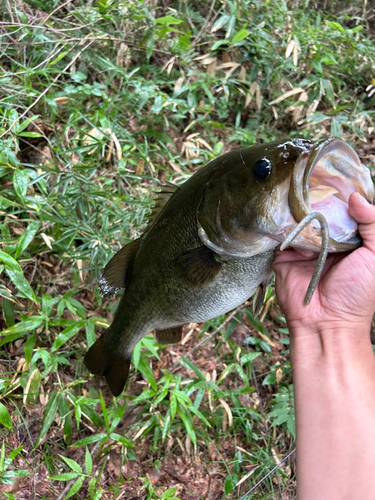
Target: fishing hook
323,249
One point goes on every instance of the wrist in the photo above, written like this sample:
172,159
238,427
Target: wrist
334,388
331,341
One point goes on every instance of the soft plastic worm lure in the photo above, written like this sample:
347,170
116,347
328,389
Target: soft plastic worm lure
323,249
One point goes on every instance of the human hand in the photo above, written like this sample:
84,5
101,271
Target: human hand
345,295
333,364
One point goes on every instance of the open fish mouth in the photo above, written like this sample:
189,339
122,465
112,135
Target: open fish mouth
321,185
323,181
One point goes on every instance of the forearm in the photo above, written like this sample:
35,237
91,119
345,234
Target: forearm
334,384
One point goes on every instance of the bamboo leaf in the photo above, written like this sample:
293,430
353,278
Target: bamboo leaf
67,334
5,417
27,237
49,415
188,426
241,35
8,310
20,182
19,329
29,347
72,464
90,439
65,476
76,486
88,462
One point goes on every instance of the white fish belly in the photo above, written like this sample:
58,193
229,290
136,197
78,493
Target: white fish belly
236,282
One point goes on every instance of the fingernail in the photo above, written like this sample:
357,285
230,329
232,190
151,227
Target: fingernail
361,199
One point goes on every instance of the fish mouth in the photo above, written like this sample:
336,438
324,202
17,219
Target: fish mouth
322,181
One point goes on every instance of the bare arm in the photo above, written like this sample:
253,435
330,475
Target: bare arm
333,366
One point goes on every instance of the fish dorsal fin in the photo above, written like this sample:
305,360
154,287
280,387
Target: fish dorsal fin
197,267
114,274
162,198
258,299
169,335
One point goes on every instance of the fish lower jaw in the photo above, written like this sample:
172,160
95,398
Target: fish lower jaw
310,237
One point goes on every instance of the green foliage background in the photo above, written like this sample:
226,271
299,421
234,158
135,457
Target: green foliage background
100,102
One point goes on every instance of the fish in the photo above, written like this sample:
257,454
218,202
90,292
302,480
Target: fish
210,243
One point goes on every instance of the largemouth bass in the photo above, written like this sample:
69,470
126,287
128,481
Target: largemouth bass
209,245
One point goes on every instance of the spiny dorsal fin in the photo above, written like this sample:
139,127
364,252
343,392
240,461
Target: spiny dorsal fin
113,275
169,335
258,299
197,267
162,198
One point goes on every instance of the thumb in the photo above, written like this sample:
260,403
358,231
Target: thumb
364,213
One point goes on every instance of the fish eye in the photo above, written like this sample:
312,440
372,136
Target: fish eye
262,169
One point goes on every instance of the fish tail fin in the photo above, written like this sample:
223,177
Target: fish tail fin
115,370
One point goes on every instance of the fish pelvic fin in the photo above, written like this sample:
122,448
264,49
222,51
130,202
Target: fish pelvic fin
260,294
116,272
115,370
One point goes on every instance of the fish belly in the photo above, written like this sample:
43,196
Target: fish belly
236,282
167,305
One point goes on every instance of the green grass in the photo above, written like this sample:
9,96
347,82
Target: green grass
100,102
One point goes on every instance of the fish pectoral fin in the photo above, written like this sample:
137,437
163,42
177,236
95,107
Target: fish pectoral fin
259,295
169,335
115,370
197,267
258,299
114,274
